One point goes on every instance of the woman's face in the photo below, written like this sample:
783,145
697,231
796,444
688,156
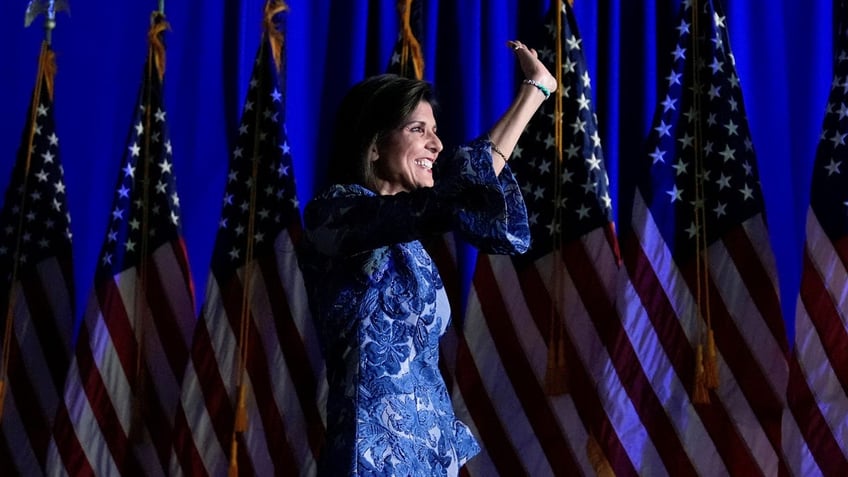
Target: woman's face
404,158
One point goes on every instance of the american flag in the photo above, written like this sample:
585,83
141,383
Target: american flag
531,368
818,378
133,345
699,261
255,335
36,286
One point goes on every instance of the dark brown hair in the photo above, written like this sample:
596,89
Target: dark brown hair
370,110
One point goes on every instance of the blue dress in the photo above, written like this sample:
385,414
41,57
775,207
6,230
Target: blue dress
380,308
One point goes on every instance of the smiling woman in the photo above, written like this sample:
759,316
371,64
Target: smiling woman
378,300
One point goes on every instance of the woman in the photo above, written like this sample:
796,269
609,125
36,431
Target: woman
376,295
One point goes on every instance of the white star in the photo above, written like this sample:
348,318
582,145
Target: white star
165,166
838,139
589,187
692,230
129,246
679,53
717,66
747,192
833,168
733,80
583,102
276,96
727,153
680,166
657,155
675,193
723,181
234,253
134,149
720,209
160,115
731,128
686,140
593,162
578,126
668,103
673,78
714,91
583,212
573,43
663,129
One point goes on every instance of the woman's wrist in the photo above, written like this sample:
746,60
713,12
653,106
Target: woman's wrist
546,92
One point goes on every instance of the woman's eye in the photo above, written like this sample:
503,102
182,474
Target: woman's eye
416,129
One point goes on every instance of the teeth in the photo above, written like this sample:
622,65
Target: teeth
424,163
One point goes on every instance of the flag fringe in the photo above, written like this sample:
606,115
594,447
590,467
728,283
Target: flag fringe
711,362
233,469
596,456
699,393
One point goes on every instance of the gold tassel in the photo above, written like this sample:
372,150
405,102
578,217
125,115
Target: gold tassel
699,394
711,362
153,37
275,36
556,374
411,53
241,411
234,469
597,458
49,70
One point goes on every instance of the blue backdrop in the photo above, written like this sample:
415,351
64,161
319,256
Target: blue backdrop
783,50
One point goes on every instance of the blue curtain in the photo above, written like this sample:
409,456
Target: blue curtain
783,50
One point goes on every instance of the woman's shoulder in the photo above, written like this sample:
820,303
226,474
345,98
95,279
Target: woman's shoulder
336,191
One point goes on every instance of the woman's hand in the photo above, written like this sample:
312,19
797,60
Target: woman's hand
532,66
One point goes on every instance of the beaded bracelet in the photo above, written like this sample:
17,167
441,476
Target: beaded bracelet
538,85
498,151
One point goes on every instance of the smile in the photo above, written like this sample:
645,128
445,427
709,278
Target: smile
425,163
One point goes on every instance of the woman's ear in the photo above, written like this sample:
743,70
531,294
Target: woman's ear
373,154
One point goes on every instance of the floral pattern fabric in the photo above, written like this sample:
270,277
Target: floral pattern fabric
381,307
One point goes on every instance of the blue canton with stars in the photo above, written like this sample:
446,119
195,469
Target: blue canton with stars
829,192
700,140
35,211
572,198
260,171
146,208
